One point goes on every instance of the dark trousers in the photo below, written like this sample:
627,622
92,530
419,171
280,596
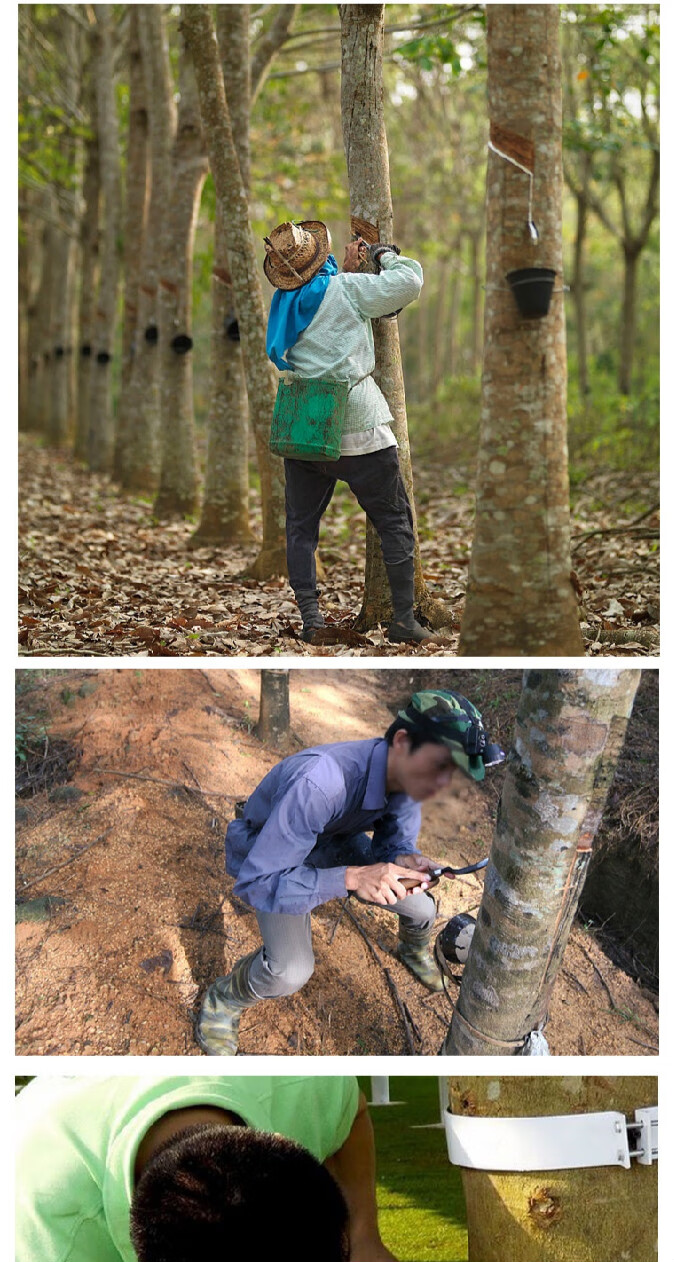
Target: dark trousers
377,484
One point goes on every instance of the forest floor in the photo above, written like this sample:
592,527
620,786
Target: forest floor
99,576
124,914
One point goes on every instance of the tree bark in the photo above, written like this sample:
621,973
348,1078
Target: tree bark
141,465
178,491
589,1215
42,380
570,730
578,291
366,151
475,355
273,726
231,193
519,597
102,431
137,197
62,327
89,264
224,511
629,318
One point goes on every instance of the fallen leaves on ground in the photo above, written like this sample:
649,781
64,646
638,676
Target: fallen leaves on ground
99,576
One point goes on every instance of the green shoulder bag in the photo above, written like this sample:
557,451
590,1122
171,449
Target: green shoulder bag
308,418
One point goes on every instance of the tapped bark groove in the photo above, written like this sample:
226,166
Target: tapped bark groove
519,598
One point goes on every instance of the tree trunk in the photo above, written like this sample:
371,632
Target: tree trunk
224,512
89,259
570,730
141,465
629,318
137,191
478,302
578,289
101,434
451,330
519,597
42,381
598,1214
178,491
34,255
231,193
273,726
370,199
62,332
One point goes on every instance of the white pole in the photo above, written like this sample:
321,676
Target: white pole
380,1091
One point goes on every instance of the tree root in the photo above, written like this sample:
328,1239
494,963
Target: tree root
269,563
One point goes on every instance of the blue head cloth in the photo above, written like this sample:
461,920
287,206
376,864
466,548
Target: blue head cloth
292,311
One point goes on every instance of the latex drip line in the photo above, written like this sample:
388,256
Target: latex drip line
533,230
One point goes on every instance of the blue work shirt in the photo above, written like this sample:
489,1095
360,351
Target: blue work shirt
305,810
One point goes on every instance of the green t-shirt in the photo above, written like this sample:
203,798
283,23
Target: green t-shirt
78,1138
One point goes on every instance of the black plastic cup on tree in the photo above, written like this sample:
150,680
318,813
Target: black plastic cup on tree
532,287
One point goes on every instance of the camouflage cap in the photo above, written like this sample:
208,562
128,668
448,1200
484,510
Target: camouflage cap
452,720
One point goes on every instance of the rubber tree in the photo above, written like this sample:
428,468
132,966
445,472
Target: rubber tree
365,145
89,264
178,489
224,511
139,469
598,1214
101,426
273,726
231,193
569,732
519,598
62,332
137,199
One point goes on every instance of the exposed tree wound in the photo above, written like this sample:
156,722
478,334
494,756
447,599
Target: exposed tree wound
545,1209
362,228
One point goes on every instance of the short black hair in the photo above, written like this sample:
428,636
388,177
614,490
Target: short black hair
231,1192
416,736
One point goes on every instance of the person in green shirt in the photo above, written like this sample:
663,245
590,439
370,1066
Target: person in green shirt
176,1169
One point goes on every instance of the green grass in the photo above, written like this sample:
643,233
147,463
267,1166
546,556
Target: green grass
422,1215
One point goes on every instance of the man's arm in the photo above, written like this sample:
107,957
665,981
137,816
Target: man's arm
353,1167
399,283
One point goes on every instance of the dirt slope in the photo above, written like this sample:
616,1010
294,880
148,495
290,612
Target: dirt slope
148,917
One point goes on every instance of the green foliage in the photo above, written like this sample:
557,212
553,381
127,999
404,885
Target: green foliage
29,734
447,428
607,428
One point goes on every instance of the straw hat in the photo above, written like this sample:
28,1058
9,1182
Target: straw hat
295,253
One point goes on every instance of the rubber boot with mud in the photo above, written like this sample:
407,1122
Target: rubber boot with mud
217,1027
413,950
312,618
404,628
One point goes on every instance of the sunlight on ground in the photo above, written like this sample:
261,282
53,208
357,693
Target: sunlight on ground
422,1214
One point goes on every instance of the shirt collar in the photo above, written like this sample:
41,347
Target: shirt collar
375,795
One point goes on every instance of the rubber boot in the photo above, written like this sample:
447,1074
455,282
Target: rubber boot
217,1027
312,618
404,628
413,950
